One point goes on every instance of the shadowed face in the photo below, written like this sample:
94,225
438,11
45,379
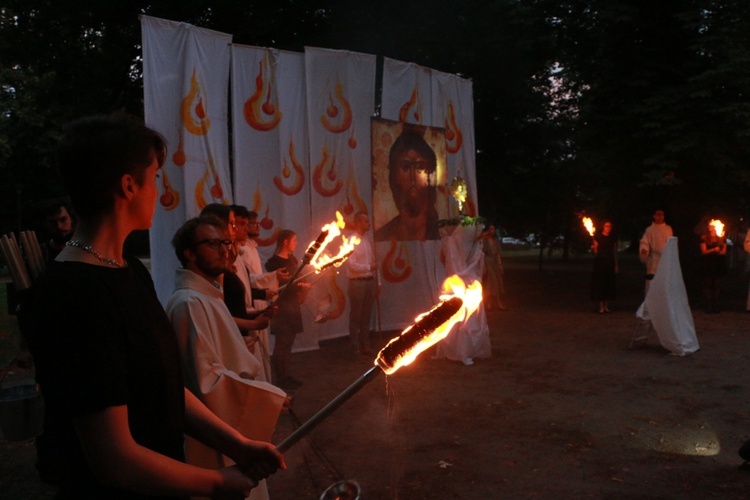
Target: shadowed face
209,254
412,180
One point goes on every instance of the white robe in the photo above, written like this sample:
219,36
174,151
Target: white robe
653,242
249,260
219,369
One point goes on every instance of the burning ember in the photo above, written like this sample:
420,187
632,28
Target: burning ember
589,225
718,227
459,302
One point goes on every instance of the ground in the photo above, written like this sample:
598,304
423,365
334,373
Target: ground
562,409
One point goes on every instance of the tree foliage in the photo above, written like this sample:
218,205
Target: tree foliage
580,105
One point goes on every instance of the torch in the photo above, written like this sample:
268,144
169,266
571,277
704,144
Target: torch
314,254
458,303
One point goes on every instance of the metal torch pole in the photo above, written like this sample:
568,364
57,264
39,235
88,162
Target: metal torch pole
332,406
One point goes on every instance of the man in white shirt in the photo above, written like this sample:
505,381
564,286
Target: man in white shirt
652,244
217,366
363,285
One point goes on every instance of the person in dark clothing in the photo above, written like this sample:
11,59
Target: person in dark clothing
106,356
605,268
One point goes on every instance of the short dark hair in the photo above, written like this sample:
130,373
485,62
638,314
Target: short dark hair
219,210
51,208
252,214
284,235
95,152
184,238
241,211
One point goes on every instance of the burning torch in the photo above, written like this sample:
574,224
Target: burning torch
314,254
458,303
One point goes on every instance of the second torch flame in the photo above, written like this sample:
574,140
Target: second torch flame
589,225
318,259
458,303
718,227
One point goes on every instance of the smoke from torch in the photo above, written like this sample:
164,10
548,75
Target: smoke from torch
457,304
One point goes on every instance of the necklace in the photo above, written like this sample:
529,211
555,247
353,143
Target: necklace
88,249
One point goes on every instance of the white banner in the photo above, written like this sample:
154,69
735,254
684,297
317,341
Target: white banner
407,93
453,108
340,100
185,80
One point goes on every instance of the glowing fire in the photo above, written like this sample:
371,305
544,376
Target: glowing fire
320,260
718,227
589,225
458,303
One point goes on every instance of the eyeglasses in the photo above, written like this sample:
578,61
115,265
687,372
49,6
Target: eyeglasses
255,223
214,243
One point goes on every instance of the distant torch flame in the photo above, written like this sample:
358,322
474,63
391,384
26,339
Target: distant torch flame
589,225
459,302
718,227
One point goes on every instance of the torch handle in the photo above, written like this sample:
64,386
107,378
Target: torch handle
332,406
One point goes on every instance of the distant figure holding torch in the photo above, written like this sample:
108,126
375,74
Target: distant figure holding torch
603,285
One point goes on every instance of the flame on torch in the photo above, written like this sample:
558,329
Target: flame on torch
589,225
718,227
459,302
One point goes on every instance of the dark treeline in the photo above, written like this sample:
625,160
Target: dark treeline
609,107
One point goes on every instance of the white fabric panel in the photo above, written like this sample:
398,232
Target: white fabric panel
407,93
340,100
185,80
271,167
453,109
667,307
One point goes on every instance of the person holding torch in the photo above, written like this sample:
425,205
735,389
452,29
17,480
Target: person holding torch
605,267
713,266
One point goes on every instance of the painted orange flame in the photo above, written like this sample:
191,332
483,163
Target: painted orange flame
322,259
352,142
718,227
261,110
417,339
171,197
396,268
589,225
332,111
326,171
192,110
215,191
269,240
413,102
179,158
453,136
299,174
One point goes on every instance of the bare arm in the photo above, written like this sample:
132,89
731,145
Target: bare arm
116,459
256,458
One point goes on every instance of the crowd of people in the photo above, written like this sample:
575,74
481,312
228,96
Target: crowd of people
185,398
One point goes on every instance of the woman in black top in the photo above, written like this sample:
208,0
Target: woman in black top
106,355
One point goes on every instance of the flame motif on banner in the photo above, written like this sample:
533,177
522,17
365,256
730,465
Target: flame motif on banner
298,181
413,106
262,110
193,110
266,223
170,198
353,202
179,158
396,265
324,178
454,138
338,114
215,192
334,296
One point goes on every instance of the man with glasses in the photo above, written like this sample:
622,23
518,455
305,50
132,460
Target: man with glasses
216,364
